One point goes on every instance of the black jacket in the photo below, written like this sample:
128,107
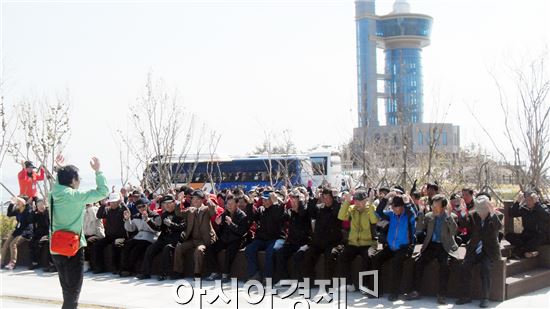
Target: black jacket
270,222
171,233
24,219
238,228
535,221
41,224
299,226
488,233
114,221
328,229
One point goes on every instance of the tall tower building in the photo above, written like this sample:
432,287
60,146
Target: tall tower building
402,35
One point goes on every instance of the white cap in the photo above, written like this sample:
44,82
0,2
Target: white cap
113,197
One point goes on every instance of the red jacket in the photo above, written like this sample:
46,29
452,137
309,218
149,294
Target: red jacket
27,185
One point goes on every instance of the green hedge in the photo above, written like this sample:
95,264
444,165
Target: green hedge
7,225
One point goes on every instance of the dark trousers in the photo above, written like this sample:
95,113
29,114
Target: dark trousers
89,254
282,256
99,257
133,250
485,272
433,251
70,271
397,258
310,259
36,247
164,247
346,259
525,242
251,253
231,250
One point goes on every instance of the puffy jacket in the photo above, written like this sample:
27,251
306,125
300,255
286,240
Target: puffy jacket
238,228
328,228
145,232
269,222
535,221
24,219
171,233
299,226
402,228
114,221
41,223
361,221
92,225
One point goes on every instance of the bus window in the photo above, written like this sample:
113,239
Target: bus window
319,165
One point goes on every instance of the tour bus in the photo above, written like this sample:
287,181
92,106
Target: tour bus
245,172
327,170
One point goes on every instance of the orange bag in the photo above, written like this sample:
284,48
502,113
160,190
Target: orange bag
64,243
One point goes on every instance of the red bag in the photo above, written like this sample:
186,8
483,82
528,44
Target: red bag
64,243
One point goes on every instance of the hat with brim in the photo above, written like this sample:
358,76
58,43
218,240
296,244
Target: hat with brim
167,199
198,193
113,198
142,202
266,195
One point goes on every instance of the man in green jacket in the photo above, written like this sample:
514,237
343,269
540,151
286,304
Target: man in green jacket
362,215
68,208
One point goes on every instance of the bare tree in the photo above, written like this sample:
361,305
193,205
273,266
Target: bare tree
213,165
277,169
7,129
526,121
160,137
44,130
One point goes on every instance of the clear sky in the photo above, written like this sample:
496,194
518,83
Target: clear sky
251,65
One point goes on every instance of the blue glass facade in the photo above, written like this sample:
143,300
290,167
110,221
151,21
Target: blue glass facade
366,64
402,36
404,86
399,26
366,73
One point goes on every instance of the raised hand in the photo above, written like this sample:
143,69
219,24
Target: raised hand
406,198
390,195
273,197
59,160
228,220
94,163
218,220
371,196
348,197
144,214
492,208
520,197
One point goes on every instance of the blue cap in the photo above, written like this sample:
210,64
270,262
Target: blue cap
266,195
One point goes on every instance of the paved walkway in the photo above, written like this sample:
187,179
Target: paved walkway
35,289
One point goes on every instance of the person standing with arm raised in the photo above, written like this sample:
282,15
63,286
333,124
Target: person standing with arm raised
68,205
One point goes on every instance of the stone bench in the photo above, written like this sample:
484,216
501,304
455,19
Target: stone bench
238,270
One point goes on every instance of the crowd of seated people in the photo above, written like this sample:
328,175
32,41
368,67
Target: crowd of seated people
296,225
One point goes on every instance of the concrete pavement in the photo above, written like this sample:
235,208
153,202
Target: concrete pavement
106,290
